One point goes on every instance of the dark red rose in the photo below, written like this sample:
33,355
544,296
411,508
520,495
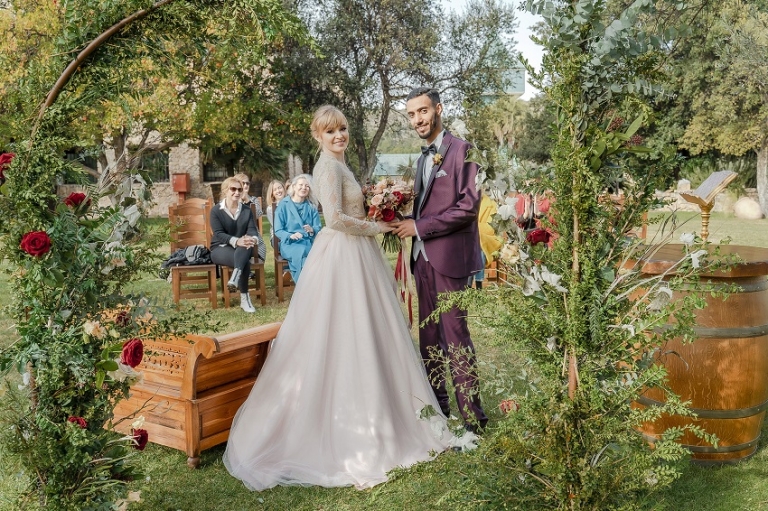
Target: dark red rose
123,318
5,162
509,405
388,215
537,236
398,197
133,351
75,199
35,243
140,438
79,421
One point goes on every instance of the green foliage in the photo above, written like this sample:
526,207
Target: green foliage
69,261
578,308
366,65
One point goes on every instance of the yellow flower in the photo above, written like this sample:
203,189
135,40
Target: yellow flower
437,159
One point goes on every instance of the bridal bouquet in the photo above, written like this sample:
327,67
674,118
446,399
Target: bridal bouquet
388,200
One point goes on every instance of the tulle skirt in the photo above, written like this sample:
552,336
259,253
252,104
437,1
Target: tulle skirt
339,399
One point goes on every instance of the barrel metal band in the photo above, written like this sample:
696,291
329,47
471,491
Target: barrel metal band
742,332
751,287
738,413
708,449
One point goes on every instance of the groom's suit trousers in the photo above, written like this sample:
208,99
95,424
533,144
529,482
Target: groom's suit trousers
448,338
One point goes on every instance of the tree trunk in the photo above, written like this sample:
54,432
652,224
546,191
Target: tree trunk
762,176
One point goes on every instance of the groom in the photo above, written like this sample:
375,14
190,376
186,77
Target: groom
445,252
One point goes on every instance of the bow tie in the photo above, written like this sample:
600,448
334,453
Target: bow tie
430,149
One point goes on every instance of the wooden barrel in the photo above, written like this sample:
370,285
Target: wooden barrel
724,372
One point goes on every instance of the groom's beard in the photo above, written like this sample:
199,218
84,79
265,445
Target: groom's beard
432,127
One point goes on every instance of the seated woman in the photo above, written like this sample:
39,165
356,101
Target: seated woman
247,199
275,193
234,238
296,224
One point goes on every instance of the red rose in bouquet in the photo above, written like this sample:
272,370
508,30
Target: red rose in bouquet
79,421
77,199
36,243
133,352
140,438
5,162
537,236
388,200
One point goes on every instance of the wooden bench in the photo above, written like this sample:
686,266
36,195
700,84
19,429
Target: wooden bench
192,387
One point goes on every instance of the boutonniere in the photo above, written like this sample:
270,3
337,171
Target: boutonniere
437,159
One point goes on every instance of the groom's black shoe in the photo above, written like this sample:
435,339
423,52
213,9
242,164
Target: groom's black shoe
475,428
446,411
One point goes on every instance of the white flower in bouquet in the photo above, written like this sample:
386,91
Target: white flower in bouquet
553,279
687,238
662,297
94,329
125,372
695,258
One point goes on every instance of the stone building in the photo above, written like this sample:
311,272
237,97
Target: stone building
179,173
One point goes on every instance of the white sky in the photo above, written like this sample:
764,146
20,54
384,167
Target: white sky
525,46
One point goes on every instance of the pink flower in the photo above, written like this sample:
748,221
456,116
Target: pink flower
79,421
509,405
133,352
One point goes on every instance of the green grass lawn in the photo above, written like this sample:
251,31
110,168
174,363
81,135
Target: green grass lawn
170,485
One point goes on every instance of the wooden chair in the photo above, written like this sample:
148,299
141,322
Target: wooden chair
190,226
259,290
193,385
283,280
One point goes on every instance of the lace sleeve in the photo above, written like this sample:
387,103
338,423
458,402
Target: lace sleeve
328,181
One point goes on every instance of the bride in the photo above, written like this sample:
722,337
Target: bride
337,402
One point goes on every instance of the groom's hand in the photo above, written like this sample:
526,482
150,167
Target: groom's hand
404,228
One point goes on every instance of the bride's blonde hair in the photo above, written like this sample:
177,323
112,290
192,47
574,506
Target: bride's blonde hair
326,117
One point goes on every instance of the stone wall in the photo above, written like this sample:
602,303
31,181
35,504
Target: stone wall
181,160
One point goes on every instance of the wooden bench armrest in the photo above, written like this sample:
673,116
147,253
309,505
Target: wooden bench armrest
245,338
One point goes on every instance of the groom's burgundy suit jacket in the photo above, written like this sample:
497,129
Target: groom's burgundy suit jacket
447,212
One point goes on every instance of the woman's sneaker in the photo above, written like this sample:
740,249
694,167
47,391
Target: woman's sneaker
234,279
245,303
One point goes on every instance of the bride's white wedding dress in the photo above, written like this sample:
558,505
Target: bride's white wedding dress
338,399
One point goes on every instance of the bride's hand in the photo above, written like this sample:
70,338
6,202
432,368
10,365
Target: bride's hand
384,226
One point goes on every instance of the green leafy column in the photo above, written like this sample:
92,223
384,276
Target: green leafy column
78,334
577,307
